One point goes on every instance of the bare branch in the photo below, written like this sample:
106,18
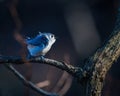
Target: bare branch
29,84
74,71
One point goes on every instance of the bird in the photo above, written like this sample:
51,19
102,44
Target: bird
40,44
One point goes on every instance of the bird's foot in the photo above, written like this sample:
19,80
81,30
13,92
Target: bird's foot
32,57
42,57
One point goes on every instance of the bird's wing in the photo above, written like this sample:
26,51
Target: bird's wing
38,41
35,50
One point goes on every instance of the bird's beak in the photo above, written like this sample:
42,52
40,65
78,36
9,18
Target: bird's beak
56,37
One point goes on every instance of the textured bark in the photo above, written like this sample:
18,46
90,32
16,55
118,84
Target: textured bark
101,63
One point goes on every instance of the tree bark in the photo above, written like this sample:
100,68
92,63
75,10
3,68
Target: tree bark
100,63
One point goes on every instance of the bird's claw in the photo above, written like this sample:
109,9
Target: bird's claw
42,57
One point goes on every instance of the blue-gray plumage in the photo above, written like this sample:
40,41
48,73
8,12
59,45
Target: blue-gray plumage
41,44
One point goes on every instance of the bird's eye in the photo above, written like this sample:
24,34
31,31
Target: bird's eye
52,36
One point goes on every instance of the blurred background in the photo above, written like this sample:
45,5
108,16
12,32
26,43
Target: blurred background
81,27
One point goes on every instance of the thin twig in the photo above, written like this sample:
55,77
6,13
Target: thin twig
29,84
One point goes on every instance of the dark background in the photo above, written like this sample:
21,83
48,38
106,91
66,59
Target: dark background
81,27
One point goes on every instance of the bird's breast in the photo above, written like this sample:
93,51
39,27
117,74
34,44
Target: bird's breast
45,50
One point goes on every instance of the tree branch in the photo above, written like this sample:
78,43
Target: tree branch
100,63
29,84
74,71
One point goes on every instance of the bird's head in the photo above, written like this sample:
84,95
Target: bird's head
51,37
